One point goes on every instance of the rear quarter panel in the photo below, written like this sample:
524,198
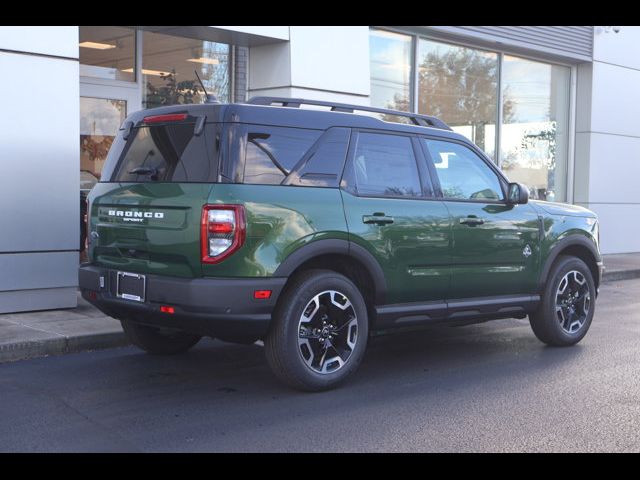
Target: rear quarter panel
280,220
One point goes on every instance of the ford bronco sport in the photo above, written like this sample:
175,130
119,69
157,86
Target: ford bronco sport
311,228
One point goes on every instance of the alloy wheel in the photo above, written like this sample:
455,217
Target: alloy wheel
327,332
573,301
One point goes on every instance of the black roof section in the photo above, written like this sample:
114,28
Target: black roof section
262,111
416,119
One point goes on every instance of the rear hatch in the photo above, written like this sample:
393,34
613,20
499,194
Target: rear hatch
146,210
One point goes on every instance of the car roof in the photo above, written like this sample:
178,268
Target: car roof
285,116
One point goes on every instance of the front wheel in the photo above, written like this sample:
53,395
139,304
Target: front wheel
568,304
158,341
319,331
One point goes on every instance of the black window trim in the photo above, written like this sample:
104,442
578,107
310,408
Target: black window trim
293,178
241,139
348,184
502,179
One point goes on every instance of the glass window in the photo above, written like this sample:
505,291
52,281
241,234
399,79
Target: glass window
534,135
390,60
100,119
459,85
107,52
168,153
324,166
272,152
463,175
385,165
168,65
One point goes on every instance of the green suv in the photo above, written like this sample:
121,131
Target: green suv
311,228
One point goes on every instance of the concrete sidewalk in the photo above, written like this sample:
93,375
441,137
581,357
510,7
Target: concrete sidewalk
54,332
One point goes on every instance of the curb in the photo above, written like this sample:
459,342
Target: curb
614,275
61,345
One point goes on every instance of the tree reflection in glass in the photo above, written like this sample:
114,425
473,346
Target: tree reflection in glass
460,86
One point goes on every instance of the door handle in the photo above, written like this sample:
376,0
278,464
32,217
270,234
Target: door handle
377,219
472,220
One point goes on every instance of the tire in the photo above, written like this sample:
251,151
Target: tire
302,352
557,320
156,341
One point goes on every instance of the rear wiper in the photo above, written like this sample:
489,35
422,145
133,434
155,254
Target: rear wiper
145,171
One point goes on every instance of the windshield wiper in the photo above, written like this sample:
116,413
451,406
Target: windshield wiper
145,171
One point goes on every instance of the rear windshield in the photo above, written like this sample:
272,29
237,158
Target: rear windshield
164,153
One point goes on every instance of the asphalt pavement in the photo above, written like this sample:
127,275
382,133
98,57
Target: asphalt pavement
489,387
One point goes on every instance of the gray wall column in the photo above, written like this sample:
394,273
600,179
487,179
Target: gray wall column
39,159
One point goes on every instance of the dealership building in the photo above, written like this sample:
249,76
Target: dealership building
554,107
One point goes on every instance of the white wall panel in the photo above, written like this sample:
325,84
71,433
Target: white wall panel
39,158
289,92
331,58
620,48
619,233
614,169
23,271
47,40
615,100
269,66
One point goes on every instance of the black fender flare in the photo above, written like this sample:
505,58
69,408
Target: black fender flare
559,247
339,247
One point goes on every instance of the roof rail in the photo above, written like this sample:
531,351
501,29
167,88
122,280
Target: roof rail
417,119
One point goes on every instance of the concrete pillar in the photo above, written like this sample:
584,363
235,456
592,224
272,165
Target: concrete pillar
322,63
607,165
39,161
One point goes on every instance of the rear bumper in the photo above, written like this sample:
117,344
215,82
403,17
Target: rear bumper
219,307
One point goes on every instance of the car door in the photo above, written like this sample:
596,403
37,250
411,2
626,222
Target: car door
495,245
391,211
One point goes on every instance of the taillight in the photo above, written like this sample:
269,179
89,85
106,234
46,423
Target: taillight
169,117
222,231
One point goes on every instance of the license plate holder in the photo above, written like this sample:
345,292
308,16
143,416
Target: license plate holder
131,286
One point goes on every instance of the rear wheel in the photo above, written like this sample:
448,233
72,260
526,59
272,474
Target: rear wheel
158,341
319,331
568,304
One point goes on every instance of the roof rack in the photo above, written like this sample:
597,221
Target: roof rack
417,119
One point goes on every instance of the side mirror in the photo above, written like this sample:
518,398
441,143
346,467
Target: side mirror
517,194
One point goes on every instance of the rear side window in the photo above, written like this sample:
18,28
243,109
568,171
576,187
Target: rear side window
169,153
272,152
385,165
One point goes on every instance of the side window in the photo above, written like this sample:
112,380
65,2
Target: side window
324,162
463,175
385,165
272,152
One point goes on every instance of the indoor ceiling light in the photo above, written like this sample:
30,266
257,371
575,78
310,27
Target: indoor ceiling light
146,71
97,46
210,61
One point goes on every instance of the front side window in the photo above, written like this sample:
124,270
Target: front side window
272,152
385,165
463,175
